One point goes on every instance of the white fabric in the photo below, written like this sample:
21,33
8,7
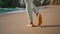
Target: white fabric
29,7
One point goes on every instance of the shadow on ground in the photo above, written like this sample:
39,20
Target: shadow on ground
50,26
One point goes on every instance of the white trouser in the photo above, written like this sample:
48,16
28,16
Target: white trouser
51,2
29,7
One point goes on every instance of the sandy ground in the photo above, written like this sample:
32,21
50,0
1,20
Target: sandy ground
17,23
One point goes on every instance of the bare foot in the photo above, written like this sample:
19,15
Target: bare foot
39,19
31,24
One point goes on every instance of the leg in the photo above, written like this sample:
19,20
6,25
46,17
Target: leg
39,17
29,12
51,2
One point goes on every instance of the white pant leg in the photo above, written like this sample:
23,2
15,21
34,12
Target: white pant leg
30,6
51,2
29,9
35,9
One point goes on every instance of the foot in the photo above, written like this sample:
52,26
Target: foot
37,14
39,19
31,24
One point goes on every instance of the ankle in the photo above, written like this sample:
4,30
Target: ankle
31,22
37,14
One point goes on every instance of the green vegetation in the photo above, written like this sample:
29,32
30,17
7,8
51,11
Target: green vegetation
10,4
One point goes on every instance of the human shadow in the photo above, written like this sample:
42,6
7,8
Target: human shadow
49,26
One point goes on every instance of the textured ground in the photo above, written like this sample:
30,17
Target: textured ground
17,23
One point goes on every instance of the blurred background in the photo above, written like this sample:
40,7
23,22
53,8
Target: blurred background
15,5
21,3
